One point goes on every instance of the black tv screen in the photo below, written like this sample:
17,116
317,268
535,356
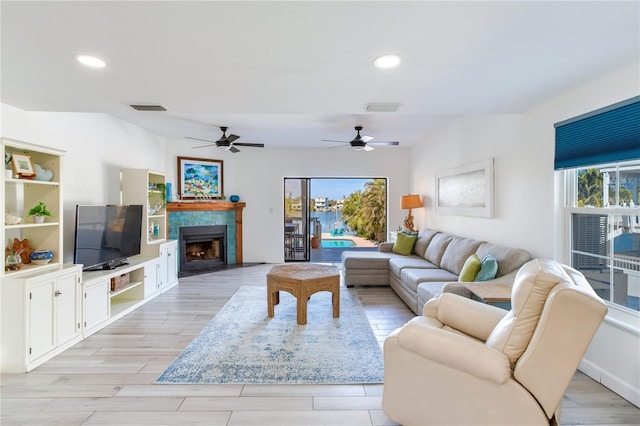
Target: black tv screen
106,235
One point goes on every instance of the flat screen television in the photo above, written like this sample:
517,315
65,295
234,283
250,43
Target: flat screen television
106,235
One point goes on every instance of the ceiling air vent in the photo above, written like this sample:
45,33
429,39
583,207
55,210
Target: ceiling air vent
148,107
382,107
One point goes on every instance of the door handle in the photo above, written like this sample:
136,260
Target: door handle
57,293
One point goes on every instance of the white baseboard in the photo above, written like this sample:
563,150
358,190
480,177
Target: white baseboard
616,384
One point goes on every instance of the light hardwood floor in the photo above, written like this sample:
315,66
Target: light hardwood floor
108,377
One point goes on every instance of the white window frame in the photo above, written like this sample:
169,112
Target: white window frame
619,315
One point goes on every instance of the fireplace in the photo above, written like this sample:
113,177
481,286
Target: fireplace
202,249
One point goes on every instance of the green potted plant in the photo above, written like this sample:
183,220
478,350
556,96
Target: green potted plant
38,212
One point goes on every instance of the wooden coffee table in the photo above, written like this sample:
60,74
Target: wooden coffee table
302,280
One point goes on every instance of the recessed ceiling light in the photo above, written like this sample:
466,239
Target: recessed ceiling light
91,61
386,61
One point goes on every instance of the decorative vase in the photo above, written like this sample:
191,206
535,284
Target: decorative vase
13,262
234,198
38,219
41,257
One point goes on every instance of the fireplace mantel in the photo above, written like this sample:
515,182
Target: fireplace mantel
181,206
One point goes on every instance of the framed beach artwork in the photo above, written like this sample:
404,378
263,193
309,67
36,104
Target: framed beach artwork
466,190
199,178
22,165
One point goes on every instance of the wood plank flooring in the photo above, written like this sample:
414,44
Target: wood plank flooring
107,379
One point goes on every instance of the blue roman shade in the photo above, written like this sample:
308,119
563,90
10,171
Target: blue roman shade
607,135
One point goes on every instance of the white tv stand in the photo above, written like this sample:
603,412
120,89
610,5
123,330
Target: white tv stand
148,277
45,312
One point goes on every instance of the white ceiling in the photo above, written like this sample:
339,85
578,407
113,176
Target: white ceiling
292,73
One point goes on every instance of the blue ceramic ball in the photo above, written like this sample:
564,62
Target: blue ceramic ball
234,198
40,257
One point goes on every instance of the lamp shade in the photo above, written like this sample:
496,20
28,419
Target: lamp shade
410,202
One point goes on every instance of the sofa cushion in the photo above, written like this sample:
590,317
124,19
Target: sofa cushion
509,259
366,259
488,269
470,269
424,238
457,252
428,290
413,277
397,264
404,244
436,248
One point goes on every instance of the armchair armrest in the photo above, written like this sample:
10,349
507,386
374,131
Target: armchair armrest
455,351
468,316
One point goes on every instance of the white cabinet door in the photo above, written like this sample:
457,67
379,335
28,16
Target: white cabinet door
162,267
172,262
96,304
67,306
151,277
41,328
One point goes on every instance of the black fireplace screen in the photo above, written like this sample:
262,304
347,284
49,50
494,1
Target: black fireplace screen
202,249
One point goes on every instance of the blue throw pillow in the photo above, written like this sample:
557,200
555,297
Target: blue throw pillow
488,270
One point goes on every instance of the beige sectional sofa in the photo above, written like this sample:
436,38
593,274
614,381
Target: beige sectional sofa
431,269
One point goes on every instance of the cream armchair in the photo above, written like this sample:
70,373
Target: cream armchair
467,363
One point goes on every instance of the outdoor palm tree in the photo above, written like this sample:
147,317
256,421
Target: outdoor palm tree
365,211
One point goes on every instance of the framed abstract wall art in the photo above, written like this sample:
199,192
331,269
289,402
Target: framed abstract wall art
467,190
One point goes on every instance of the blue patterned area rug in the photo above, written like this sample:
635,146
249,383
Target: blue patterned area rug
242,345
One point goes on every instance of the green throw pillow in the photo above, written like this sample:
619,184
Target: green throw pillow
404,244
470,269
489,268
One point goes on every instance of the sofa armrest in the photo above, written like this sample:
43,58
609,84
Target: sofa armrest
468,316
386,247
461,290
455,351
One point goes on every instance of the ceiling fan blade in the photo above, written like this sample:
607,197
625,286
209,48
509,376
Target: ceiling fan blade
198,139
232,138
257,145
368,148
366,138
394,143
203,146
331,140
233,149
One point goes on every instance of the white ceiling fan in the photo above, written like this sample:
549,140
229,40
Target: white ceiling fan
362,142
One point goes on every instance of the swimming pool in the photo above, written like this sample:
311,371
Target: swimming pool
337,243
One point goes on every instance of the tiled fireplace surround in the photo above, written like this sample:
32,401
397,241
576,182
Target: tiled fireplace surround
209,213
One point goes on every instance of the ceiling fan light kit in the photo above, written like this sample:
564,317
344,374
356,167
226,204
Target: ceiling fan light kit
361,142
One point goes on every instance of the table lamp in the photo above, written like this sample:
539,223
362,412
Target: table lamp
410,202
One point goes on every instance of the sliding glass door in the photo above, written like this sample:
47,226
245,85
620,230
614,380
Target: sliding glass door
325,216
296,220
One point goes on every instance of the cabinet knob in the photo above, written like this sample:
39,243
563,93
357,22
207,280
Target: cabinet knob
57,293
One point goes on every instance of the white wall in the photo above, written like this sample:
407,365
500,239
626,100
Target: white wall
529,201
98,146
614,355
257,176
517,197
